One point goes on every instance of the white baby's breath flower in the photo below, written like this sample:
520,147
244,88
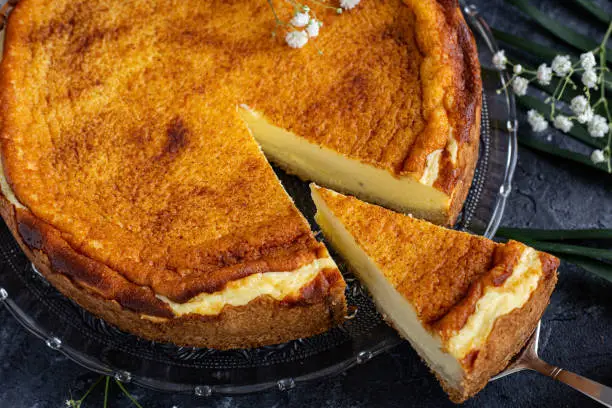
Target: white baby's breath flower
313,28
587,61
518,68
579,104
598,126
590,78
563,123
296,39
500,60
300,19
537,121
520,85
544,74
349,4
598,156
562,64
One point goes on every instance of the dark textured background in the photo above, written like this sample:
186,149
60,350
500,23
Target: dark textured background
577,327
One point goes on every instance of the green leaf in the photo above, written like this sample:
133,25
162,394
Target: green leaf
554,235
600,268
578,132
544,147
595,11
560,31
596,253
541,51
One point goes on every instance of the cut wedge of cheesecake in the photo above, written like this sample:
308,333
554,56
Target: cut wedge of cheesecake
465,303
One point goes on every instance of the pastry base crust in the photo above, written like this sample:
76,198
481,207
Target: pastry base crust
263,321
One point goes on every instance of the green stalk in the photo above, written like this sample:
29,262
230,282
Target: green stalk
578,132
595,11
562,32
565,249
553,235
600,268
538,145
127,394
106,392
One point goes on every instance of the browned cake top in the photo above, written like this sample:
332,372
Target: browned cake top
441,272
119,123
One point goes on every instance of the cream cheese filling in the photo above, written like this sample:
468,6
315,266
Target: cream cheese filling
334,170
278,285
498,301
395,308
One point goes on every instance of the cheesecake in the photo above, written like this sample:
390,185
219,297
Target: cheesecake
397,123
465,303
131,145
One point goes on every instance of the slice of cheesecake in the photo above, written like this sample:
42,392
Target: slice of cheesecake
465,303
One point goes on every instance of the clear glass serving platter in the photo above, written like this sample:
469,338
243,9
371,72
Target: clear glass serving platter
98,346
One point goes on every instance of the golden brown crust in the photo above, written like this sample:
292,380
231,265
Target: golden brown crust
433,285
321,304
443,273
509,335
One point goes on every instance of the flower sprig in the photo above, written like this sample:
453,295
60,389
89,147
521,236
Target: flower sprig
72,403
589,108
304,24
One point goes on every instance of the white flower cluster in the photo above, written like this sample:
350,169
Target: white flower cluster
590,79
582,111
302,19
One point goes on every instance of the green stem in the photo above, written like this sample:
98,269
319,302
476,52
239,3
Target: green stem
596,253
127,394
600,268
595,11
559,152
562,32
554,235
106,392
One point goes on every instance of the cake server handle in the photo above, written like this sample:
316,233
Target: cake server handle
590,388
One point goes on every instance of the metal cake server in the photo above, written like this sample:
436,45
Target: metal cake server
528,359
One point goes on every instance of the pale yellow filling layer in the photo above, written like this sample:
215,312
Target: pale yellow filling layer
331,169
278,285
498,301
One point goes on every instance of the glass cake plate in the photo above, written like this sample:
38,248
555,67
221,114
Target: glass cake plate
67,328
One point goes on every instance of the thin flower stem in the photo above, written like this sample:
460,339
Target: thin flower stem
127,394
106,392
603,100
94,385
603,269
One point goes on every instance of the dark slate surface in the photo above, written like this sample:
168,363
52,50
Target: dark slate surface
577,328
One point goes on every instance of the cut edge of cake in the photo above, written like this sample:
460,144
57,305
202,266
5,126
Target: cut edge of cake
478,337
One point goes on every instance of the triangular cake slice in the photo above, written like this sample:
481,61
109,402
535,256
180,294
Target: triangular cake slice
465,303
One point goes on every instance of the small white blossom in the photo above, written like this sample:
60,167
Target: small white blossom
296,39
598,156
349,4
579,104
500,60
598,126
518,68
300,19
562,64
582,110
544,74
590,78
537,121
563,123
313,28
587,61
519,86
